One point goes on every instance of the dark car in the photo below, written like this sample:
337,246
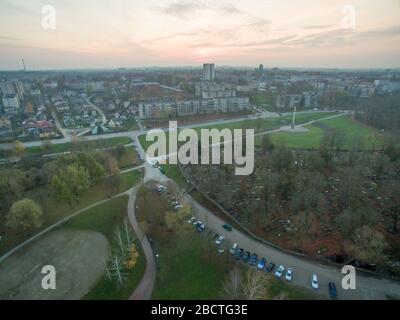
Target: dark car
332,290
253,259
270,267
201,227
227,227
238,254
246,257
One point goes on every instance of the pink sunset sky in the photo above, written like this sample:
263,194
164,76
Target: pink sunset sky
131,33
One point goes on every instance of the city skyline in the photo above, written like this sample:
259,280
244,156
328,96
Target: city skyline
187,33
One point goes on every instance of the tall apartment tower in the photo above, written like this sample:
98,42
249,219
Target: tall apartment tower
209,71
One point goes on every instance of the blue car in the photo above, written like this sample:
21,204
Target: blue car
238,254
262,264
201,227
332,290
253,259
246,257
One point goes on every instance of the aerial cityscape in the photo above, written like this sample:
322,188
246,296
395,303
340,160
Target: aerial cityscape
219,152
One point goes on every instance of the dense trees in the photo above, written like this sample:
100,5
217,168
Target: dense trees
24,214
367,245
70,183
12,185
315,196
382,112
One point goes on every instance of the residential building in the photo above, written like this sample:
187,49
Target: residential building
161,109
209,72
11,104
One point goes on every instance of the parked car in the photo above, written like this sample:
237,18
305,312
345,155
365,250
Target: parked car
314,281
238,254
220,240
253,259
261,264
227,227
201,227
178,206
289,274
270,267
246,257
279,271
332,290
191,220
197,222
233,248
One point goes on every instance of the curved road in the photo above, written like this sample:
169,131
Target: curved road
145,287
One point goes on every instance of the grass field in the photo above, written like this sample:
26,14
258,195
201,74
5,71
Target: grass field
172,171
54,211
352,131
128,159
104,219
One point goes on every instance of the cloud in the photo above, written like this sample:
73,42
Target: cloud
318,26
181,8
169,37
187,8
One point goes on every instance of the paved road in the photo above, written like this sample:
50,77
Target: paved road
145,288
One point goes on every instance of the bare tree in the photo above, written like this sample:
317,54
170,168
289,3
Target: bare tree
233,285
116,270
254,285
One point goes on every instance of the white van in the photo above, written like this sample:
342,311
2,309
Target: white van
233,248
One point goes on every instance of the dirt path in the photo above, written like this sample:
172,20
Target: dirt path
145,288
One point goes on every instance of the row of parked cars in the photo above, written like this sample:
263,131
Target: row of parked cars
240,254
246,257
162,190
200,226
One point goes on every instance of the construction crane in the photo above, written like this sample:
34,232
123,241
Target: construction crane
23,64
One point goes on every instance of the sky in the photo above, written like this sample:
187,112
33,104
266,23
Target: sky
133,33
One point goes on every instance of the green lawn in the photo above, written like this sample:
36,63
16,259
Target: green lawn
189,268
352,131
54,211
277,288
306,140
172,171
128,159
104,219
